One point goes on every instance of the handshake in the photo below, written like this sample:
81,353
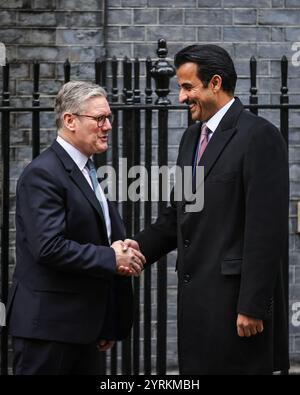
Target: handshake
129,260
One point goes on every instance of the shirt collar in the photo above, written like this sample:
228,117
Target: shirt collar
78,157
214,121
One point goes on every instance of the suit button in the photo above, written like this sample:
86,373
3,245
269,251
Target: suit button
270,307
183,207
187,243
187,278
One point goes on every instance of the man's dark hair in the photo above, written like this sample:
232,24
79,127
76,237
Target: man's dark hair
211,60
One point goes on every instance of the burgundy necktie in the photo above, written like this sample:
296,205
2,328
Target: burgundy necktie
203,141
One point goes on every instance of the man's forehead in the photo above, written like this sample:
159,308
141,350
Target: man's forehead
187,71
187,79
97,101
187,68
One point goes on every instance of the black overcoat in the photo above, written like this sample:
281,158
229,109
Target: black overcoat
230,254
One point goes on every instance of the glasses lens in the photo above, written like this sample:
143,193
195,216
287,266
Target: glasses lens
103,118
111,118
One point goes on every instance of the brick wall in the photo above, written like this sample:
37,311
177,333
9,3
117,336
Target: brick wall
52,30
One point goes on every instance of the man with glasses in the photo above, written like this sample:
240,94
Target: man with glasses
70,293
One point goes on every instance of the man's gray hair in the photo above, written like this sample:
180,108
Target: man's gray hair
72,98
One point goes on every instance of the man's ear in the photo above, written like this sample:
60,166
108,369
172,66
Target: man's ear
216,83
69,121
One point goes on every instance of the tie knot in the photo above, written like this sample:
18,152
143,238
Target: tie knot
204,130
90,164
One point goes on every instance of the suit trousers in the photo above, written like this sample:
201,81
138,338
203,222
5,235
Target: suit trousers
43,357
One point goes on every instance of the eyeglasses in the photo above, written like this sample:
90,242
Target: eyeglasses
100,120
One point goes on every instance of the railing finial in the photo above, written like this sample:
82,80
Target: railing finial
162,71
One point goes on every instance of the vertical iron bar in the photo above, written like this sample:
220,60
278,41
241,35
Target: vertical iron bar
100,159
115,164
5,145
127,204
148,216
136,149
104,24
284,99
148,90
98,71
114,67
115,149
253,90
147,271
125,73
284,128
128,82
113,359
126,344
67,70
162,263
103,74
137,92
36,114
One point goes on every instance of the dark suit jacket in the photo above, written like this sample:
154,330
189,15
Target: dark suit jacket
65,286
230,253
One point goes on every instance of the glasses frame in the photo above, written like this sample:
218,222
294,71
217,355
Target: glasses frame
100,120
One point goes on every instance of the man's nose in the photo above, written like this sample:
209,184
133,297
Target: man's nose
107,124
182,96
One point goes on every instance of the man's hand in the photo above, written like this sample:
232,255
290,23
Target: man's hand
248,326
105,345
129,262
130,243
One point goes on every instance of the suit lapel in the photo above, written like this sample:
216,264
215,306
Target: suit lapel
78,178
118,231
82,184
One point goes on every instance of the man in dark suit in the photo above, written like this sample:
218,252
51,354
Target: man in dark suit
67,297
231,309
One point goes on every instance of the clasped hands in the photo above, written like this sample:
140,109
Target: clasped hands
130,261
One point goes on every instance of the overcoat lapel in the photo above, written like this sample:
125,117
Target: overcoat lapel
220,138
214,149
187,157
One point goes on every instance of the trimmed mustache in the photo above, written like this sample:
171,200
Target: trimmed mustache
189,102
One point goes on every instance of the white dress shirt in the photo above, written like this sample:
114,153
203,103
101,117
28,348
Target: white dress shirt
214,121
81,160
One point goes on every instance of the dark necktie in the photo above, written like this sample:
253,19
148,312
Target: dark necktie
203,141
101,198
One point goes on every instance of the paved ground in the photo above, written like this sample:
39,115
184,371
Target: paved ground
295,370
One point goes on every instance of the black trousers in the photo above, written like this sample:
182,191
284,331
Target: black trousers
42,357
